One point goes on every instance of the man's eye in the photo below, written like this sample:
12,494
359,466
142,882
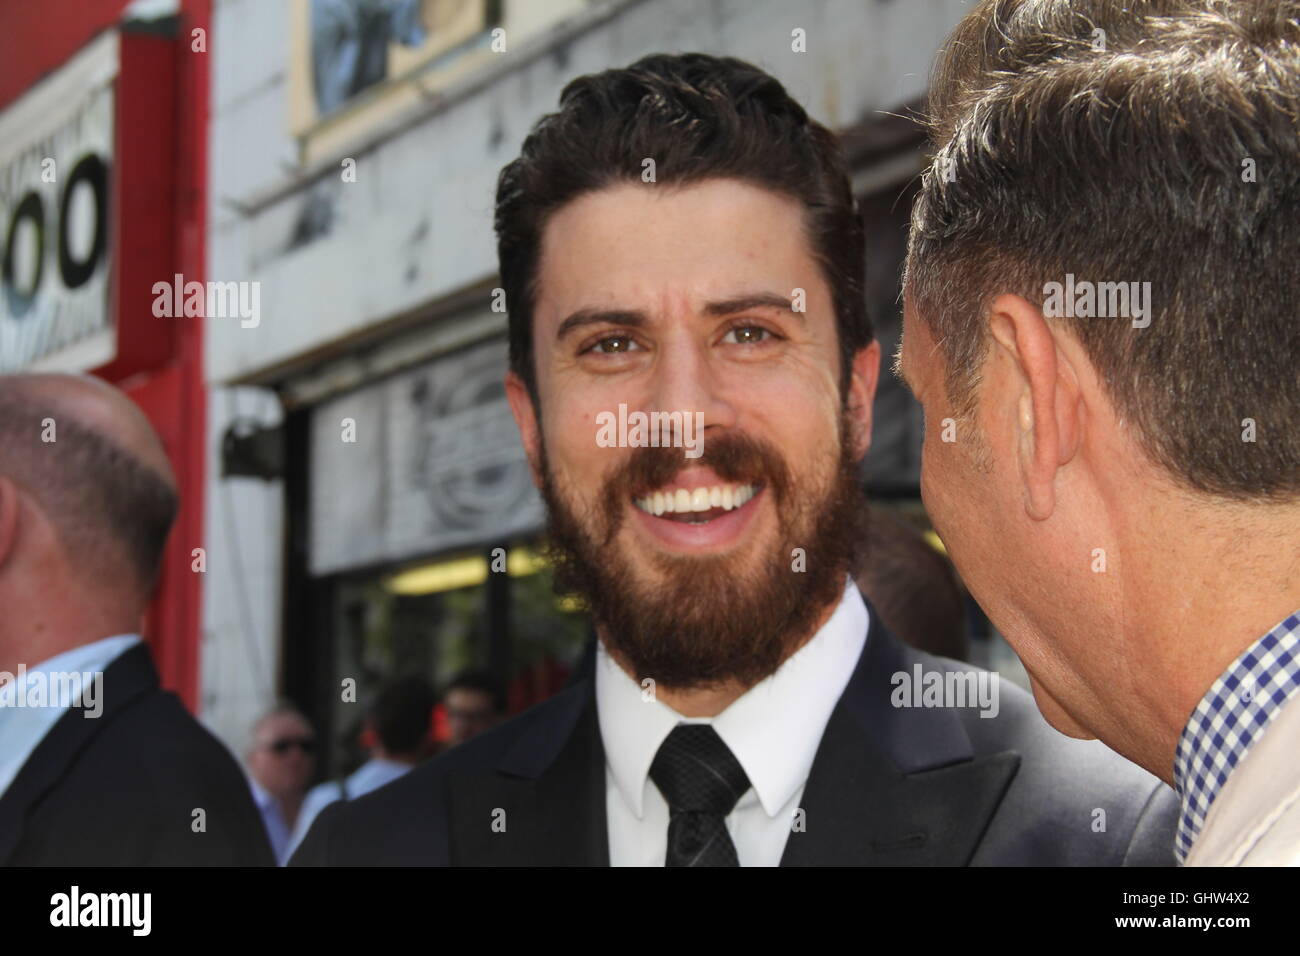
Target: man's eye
614,345
747,335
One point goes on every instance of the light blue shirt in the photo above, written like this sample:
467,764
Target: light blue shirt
277,831
23,726
371,775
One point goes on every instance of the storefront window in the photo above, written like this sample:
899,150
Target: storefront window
433,619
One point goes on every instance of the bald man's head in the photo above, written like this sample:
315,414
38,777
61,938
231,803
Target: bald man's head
90,460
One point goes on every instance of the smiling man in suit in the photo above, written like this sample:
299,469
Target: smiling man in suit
118,775
681,238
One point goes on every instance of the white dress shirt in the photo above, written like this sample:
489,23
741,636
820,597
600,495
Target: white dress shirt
774,730
22,728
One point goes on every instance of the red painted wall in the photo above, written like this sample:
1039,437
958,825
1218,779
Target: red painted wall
179,387
38,36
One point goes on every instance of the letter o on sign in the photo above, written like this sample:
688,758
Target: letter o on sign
91,171
20,300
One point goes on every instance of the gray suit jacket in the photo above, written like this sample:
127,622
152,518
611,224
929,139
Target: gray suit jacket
889,786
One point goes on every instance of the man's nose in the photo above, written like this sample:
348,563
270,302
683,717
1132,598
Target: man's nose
686,380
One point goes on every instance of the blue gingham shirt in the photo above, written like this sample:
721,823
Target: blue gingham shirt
1230,717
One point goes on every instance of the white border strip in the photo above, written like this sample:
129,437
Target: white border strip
55,100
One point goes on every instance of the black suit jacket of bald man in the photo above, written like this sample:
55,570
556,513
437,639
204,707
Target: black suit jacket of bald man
121,789
889,786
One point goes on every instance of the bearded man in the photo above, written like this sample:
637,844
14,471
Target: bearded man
681,239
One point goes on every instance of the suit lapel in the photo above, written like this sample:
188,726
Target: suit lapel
894,785
888,785
544,802
127,678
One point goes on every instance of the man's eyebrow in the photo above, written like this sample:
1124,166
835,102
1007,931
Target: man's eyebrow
636,319
577,320
756,300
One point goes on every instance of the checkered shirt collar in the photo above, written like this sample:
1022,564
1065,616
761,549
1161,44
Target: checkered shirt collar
1229,718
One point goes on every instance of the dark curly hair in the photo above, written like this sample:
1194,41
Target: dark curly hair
699,117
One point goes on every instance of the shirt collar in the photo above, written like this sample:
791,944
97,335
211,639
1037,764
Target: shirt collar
85,659
774,728
261,796
1229,718
23,728
376,772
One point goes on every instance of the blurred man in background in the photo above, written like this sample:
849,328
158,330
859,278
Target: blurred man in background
87,498
1100,311
281,760
397,733
474,702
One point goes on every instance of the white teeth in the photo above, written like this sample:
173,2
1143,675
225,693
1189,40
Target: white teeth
681,501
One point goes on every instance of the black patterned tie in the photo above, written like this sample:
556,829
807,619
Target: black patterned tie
701,780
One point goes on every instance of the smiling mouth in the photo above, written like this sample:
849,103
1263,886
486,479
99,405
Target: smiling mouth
696,505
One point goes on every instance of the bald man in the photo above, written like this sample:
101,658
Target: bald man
98,765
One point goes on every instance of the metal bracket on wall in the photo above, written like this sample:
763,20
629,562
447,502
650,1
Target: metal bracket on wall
252,450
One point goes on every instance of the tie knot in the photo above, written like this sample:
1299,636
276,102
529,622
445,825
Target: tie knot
697,772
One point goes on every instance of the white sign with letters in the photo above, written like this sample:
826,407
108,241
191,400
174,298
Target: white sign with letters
56,149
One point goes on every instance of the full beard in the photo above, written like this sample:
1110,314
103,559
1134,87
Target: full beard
700,621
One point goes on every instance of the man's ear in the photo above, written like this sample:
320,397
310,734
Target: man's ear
10,505
863,380
1046,391
521,406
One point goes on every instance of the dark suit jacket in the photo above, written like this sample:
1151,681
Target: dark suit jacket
121,789
888,786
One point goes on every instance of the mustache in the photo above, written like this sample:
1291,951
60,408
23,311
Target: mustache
733,456
703,623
